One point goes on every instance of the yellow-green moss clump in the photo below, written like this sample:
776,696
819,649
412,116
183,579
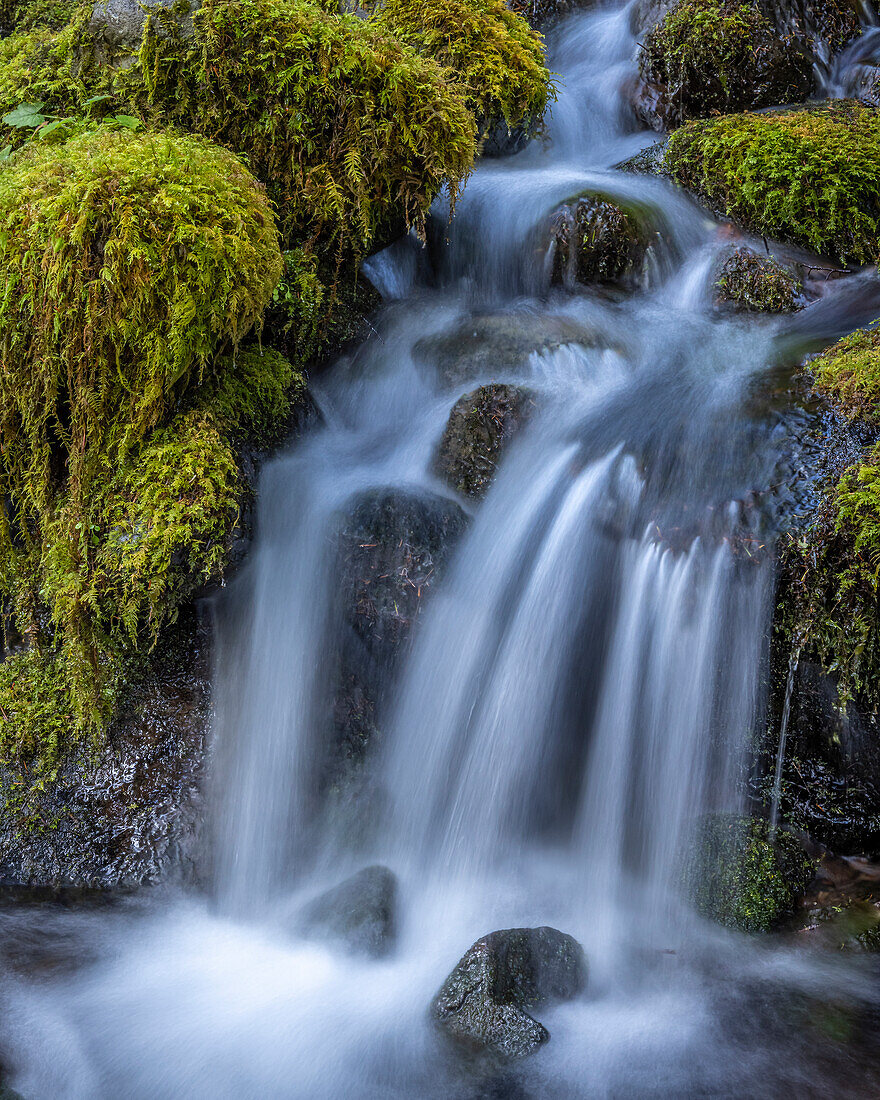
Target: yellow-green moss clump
492,53
130,263
24,15
810,176
710,56
848,374
345,125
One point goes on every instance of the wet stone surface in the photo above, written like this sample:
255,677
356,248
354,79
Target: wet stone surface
482,1004
132,814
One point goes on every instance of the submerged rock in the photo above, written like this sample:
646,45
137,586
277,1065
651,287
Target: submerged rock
482,1004
748,281
596,241
489,346
479,429
359,913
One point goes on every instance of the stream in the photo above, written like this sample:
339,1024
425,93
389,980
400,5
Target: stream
584,681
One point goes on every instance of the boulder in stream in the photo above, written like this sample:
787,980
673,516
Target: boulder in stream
597,241
747,281
359,913
482,1005
479,428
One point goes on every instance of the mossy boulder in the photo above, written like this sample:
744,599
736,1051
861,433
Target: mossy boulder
491,53
132,263
718,56
810,176
25,15
753,283
478,431
596,241
116,27
482,1006
739,874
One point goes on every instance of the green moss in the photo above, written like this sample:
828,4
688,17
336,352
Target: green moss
757,283
848,374
811,176
43,13
712,56
36,707
740,877
256,393
834,568
129,262
492,53
344,124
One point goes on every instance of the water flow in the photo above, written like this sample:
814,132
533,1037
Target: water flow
793,660
581,688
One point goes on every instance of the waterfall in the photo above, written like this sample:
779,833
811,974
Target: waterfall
583,684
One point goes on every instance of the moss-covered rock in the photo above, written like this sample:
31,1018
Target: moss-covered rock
25,15
739,875
810,176
491,52
130,261
748,281
848,375
709,56
479,429
596,241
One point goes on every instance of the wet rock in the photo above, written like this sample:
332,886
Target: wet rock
479,428
482,1004
130,815
841,908
740,874
706,57
824,27
491,345
649,162
542,14
750,282
500,140
644,15
597,242
393,548
116,27
359,913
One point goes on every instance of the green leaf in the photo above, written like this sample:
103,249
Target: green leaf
96,99
27,116
5,153
127,121
53,127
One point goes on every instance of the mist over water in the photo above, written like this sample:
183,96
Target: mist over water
584,683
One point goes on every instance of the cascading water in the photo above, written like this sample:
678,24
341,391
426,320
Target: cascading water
583,686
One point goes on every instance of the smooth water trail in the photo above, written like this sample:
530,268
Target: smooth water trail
582,685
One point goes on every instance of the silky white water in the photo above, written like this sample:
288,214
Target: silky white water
584,682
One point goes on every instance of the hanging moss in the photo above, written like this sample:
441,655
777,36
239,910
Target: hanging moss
740,876
255,394
708,56
344,124
810,176
128,262
492,52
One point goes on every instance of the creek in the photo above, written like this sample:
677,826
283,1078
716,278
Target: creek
584,681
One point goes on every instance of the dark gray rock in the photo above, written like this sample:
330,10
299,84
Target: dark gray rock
500,140
394,545
479,429
359,913
131,814
482,1004
598,242
649,162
